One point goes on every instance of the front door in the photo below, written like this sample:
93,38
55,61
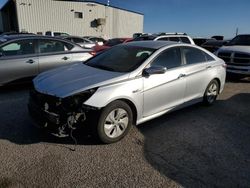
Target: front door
165,91
199,71
18,61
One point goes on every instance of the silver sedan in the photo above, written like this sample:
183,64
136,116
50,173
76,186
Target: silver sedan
24,56
127,84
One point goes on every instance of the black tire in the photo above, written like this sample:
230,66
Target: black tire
112,129
211,93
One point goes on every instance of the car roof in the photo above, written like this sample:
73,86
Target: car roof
154,36
14,37
162,36
151,44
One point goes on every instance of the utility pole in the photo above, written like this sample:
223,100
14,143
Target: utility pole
237,30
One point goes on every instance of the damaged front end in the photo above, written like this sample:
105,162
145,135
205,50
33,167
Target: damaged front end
60,115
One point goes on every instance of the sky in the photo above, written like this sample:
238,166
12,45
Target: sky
197,18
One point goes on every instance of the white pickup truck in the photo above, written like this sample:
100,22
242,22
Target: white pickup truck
236,54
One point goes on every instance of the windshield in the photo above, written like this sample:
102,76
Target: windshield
240,40
121,58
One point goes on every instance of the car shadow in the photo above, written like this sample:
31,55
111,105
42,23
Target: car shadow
202,146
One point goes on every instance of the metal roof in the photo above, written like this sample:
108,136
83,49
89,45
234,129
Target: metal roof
103,5
86,2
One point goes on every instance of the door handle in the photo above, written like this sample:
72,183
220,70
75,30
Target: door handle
65,58
181,76
30,61
209,67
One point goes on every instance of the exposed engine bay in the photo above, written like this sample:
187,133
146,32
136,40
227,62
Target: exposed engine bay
59,116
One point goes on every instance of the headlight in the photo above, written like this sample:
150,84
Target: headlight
77,100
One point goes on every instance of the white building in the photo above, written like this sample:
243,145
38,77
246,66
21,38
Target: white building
74,17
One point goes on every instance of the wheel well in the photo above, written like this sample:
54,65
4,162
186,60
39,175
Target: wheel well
133,108
218,80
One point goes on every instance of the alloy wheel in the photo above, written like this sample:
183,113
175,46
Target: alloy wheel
116,123
212,92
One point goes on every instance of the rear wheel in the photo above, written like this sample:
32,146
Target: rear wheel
211,92
115,122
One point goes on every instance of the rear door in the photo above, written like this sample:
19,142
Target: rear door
54,53
18,61
198,71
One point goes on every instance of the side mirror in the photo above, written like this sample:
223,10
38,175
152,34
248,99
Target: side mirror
154,70
1,54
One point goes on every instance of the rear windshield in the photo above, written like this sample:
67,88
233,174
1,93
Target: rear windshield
121,58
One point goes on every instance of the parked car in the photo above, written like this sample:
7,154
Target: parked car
84,43
200,40
110,43
236,54
167,37
128,84
135,35
55,34
214,45
99,40
218,37
25,56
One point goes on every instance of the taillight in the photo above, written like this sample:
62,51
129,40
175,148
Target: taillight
224,65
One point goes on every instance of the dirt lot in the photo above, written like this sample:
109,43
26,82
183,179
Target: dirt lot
195,147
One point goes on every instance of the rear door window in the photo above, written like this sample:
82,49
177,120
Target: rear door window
77,40
194,55
53,46
164,39
185,40
175,39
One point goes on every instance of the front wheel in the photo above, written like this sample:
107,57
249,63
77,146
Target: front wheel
115,121
211,92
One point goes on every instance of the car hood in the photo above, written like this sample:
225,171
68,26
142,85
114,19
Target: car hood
244,49
69,80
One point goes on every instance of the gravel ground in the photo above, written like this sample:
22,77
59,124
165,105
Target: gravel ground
197,146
